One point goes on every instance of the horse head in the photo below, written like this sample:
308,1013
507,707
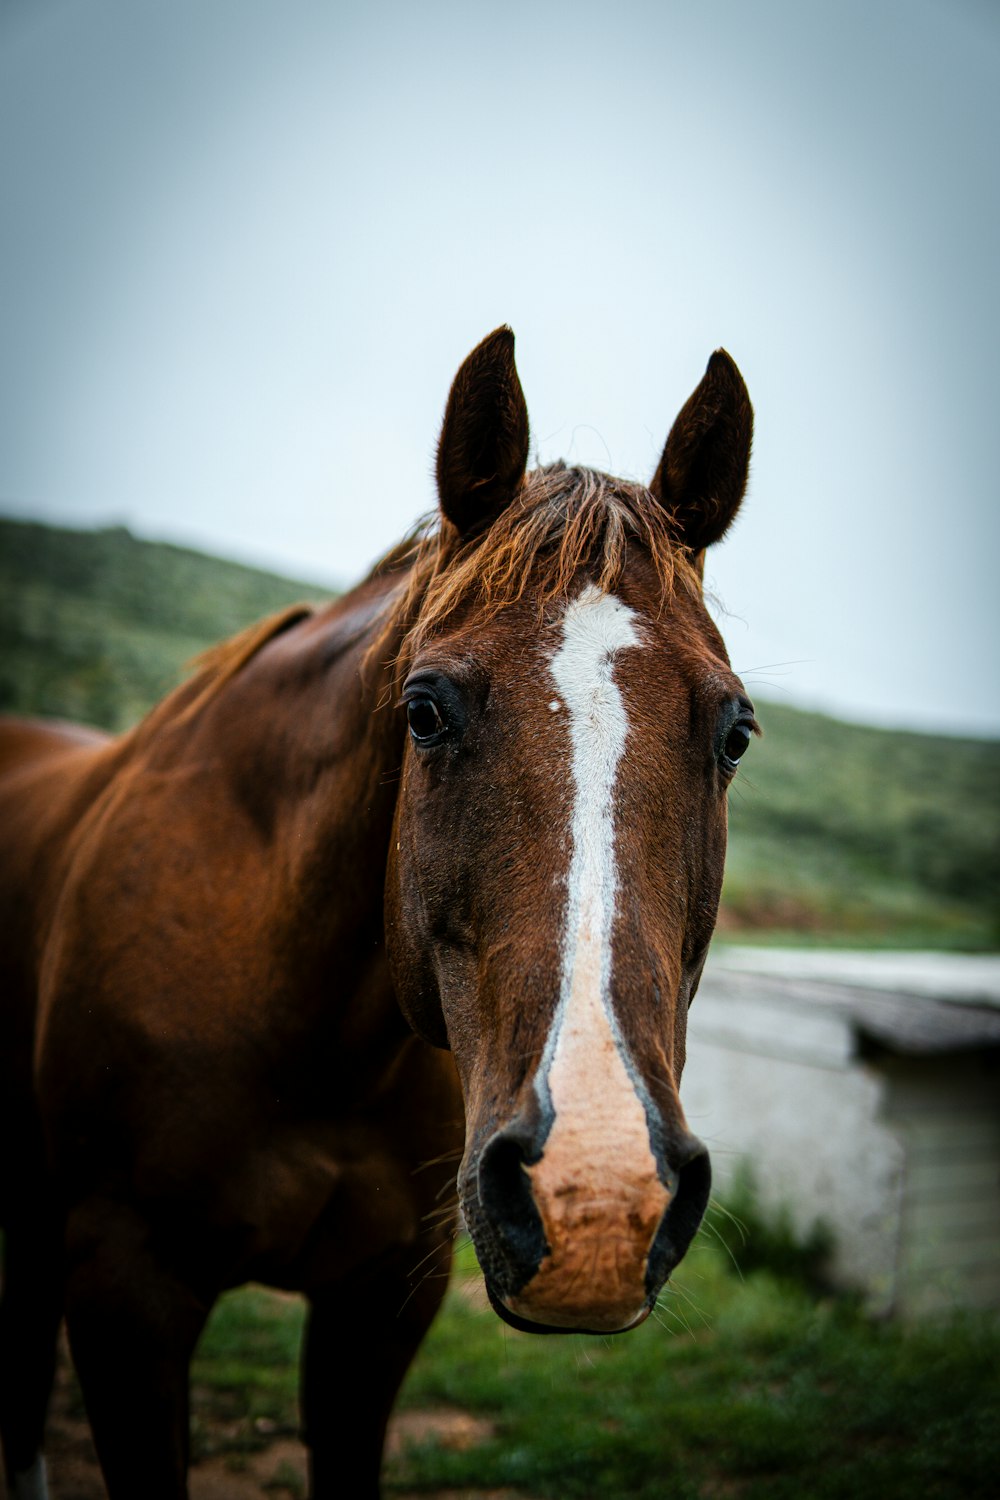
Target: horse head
559,838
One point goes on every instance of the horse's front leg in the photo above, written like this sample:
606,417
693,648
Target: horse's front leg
133,1323
30,1314
360,1341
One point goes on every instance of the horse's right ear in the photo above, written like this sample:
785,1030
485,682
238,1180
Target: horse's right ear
703,471
483,450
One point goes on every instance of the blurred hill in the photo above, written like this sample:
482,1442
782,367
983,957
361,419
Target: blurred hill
861,834
98,625
838,832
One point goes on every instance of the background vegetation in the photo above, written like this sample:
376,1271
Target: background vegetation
838,832
97,625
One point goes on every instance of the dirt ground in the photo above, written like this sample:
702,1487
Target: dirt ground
277,1471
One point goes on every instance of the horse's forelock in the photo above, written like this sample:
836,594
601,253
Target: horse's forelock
562,520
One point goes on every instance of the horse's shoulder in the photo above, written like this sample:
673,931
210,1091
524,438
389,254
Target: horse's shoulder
48,775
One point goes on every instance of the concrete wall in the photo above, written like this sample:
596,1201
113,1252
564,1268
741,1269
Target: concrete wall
777,1084
947,1112
899,1155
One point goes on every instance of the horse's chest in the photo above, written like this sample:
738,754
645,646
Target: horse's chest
317,1204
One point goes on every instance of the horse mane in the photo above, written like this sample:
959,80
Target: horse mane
561,519
219,664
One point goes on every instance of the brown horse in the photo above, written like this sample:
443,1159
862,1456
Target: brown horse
440,862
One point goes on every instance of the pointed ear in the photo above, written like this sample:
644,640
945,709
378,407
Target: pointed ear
703,471
483,449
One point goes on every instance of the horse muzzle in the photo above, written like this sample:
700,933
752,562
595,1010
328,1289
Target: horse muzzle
568,1251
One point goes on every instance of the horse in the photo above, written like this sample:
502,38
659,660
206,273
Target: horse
424,877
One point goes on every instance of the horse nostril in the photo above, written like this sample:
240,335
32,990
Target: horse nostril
683,1216
507,1200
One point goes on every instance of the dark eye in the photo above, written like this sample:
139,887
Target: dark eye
735,745
425,721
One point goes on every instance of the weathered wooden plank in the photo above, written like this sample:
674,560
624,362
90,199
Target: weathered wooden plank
952,1180
932,1216
956,1133
957,1253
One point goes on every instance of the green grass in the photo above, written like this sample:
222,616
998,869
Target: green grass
749,1386
246,1374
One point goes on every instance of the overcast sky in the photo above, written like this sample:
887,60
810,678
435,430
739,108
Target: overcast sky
245,245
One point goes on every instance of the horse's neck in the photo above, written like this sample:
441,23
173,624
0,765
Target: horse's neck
307,750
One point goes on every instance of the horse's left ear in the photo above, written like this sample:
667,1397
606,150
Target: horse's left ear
703,472
483,450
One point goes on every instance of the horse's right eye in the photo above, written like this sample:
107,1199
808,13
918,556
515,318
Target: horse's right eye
737,743
425,721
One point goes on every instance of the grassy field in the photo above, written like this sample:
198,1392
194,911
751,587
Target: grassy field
838,832
753,1386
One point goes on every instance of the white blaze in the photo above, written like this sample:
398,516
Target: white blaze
596,1183
596,626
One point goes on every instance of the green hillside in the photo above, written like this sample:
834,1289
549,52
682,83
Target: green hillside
97,625
838,832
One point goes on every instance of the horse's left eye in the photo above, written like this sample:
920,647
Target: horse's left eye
735,745
424,719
